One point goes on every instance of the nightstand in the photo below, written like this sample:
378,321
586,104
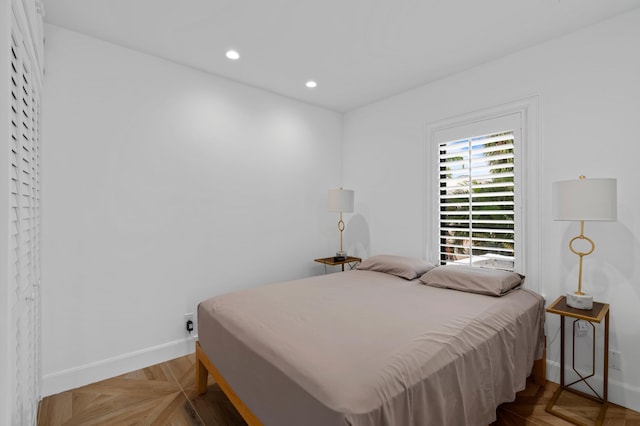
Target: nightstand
599,312
349,260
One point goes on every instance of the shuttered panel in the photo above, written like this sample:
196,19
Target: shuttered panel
477,201
24,147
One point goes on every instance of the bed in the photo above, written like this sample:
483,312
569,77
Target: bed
395,341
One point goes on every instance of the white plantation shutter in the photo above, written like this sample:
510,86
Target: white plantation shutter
498,147
475,193
477,200
24,204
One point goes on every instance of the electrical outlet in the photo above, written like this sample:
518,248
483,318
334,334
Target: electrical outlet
615,360
582,328
189,324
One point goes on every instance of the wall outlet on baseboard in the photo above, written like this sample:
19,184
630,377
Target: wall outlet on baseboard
189,324
615,360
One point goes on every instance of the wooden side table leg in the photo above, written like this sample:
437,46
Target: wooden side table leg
605,373
605,391
562,351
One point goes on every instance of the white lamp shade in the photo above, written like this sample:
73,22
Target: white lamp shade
585,199
340,200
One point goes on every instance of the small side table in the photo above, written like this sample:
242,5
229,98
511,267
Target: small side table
599,312
349,260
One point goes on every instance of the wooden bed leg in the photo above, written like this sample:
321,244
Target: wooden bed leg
204,367
540,368
201,372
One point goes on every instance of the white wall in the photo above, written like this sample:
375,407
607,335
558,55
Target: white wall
589,89
6,371
163,186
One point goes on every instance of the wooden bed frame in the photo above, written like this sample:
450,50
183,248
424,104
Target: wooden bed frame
204,367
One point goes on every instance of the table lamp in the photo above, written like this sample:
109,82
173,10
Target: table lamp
341,200
584,200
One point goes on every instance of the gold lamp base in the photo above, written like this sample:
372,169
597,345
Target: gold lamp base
580,301
341,253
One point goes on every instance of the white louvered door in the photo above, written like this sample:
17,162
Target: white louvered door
24,204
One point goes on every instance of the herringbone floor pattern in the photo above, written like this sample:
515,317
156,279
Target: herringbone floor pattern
164,394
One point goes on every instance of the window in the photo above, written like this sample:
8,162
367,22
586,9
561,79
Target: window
477,212
481,136
475,188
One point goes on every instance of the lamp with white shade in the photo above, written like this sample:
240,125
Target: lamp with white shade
584,200
340,200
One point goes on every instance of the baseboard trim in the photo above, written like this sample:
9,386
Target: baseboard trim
75,377
60,381
619,393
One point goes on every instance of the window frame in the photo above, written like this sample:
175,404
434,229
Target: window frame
526,113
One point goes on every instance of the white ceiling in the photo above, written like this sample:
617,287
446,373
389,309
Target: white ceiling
358,51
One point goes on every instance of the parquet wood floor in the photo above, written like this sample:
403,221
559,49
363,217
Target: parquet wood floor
164,394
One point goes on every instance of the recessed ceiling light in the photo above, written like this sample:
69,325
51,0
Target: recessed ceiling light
233,55
311,84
